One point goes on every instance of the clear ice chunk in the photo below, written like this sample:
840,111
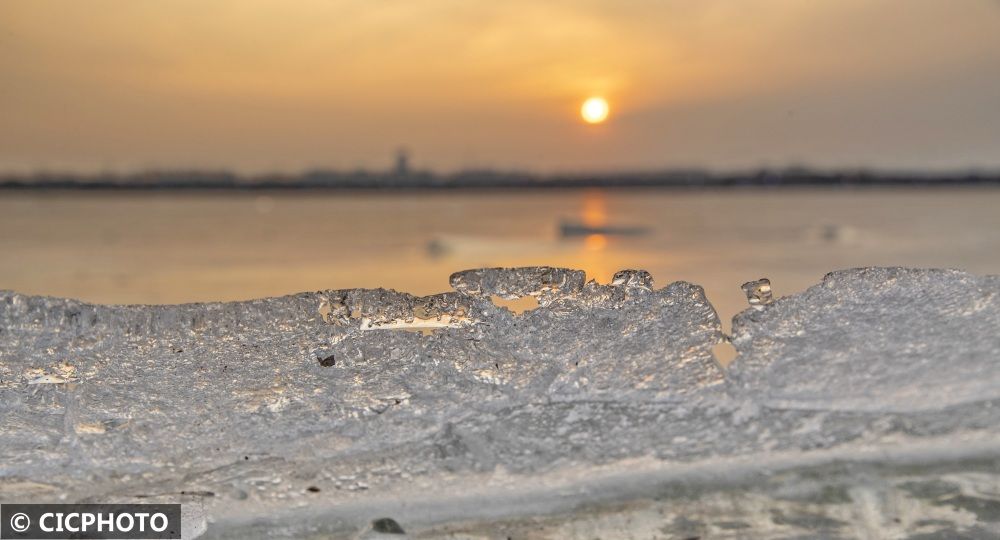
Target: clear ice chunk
317,411
758,292
633,279
875,339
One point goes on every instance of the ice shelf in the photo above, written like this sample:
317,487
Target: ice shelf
864,407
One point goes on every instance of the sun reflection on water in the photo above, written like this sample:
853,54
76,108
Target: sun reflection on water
595,208
595,255
595,242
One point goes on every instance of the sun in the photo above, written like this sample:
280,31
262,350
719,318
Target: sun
594,110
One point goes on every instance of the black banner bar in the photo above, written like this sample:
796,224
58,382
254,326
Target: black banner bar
96,521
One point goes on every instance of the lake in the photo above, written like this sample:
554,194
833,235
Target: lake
170,247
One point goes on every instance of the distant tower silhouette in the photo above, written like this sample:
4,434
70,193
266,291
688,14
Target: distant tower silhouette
402,162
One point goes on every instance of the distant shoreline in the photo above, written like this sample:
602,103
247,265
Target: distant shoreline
199,181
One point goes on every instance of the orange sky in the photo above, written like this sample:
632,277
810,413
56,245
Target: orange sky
260,85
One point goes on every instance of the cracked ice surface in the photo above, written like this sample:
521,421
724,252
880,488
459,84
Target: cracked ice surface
327,410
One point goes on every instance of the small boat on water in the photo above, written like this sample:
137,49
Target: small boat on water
569,229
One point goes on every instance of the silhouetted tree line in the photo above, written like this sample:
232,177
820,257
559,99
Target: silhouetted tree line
322,179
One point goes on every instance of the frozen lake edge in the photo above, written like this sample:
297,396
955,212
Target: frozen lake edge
327,410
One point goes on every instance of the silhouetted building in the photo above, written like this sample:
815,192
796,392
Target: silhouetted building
402,162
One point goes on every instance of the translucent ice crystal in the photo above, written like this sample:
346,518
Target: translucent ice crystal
869,401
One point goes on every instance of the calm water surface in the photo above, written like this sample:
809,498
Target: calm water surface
182,247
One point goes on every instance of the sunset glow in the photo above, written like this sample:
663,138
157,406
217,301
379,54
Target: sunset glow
254,86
